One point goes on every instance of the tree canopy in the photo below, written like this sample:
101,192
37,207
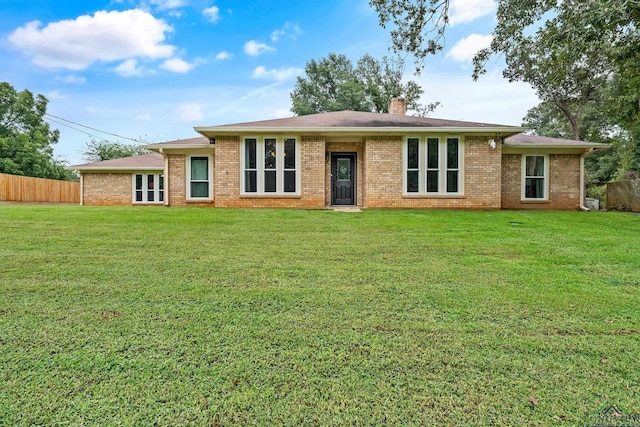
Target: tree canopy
334,84
97,151
26,141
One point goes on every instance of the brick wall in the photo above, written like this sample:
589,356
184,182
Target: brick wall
564,183
107,189
227,176
384,176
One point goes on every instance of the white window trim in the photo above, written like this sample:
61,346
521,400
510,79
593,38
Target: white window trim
260,166
442,166
188,177
524,178
145,182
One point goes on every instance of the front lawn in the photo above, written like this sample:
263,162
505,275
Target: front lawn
169,316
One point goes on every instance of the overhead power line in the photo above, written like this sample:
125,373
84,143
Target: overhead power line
76,129
94,129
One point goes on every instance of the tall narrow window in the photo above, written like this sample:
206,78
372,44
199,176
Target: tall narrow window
413,165
270,165
199,179
148,188
289,165
139,190
453,165
535,177
250,166
433,168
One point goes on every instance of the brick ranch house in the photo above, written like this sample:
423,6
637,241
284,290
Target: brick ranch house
348,158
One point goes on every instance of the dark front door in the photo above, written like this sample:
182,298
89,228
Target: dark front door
343,179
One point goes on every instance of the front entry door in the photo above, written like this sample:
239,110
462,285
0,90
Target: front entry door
343,179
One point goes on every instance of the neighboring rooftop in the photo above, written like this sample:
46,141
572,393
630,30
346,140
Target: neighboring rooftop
153,161
523,140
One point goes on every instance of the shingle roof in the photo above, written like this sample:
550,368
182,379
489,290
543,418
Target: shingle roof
523,140
153,161
189,142
343,119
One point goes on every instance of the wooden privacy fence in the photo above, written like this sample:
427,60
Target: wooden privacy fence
624,196
14,188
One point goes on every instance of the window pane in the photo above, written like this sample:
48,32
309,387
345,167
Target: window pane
138,182
452,153
138,196
199,169
270,154
534,188
250,153
161,182
432,153
412,153
250,181
289,153
452,181
289,181
535,166
161,196
150,182
412,181
343,169
432,181
150,196
270,181
199,189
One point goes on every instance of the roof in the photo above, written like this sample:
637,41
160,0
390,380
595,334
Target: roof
535,141
153,161
181,143
356,122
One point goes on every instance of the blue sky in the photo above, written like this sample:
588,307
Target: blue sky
154,69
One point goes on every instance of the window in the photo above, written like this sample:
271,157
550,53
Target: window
534,172
433,166
270,166
199,173
148,188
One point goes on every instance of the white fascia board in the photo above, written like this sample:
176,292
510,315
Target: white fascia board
359,130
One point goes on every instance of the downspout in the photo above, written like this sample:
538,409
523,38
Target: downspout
166,178
81,189
582,185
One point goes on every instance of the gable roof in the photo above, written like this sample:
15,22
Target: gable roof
153,161
197,142
535,141
355,122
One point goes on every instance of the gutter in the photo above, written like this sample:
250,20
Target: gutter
582,185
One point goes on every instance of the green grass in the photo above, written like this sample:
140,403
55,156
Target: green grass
153,316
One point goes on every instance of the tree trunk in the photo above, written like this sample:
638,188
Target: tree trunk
572,118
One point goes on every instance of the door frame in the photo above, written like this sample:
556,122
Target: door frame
354,174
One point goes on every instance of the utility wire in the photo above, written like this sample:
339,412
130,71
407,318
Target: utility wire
79,130
97,130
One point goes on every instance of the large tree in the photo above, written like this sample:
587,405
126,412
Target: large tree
97,151
26,141
334,84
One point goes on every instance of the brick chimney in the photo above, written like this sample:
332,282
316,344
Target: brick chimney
397,106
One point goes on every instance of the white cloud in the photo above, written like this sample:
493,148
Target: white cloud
129,68
254,48
190,112
144,117
466,48
56,94
212,13
281,74
177,65
168,4
223,55
291,30
72,79
463,11
106,36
